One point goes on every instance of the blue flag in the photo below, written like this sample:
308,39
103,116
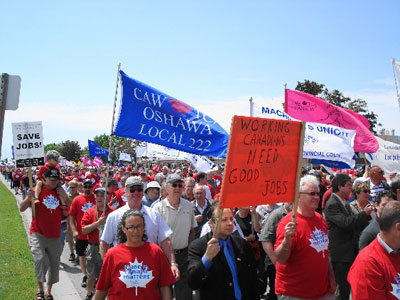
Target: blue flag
96,150
150,115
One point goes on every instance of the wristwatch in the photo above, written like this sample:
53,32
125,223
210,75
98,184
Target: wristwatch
175,264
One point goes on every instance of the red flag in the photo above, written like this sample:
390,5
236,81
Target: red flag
309,108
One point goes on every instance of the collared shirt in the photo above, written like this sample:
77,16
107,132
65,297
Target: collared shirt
386,246
180,220
155,227
199,207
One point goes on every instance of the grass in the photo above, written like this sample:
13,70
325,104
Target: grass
17,278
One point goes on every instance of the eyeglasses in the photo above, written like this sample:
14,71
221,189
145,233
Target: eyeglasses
87,186
311,193
179,185
366,191
133,227
139,190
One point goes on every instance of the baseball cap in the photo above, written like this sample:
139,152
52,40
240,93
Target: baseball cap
52,173
87,180
100,190
152,184
133,180
172,178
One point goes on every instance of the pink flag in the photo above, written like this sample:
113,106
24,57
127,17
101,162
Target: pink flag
86,161
97,161
309,108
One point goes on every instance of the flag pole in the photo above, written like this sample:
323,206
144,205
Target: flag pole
110,139
395,81
251,107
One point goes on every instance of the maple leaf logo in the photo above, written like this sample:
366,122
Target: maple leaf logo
319,241
179,106
86,206
51,202
396,287
136,275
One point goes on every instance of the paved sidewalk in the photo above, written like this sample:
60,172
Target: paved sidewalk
69,286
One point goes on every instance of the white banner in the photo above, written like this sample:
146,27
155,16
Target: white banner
326,144
387,157
124,157
201,163
28,143
158,152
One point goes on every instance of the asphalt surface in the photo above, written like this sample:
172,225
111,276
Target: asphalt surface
69,286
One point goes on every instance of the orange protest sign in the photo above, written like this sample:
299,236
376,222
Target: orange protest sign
262,161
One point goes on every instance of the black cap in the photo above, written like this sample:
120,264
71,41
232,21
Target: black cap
52,173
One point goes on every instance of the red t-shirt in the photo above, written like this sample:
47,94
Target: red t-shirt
305,273
79,206
89,217
93,177
218,180
48,214
375,274
135,272
121,198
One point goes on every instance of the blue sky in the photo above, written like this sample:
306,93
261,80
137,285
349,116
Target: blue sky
214,55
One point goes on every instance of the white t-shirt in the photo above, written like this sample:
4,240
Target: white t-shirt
155,227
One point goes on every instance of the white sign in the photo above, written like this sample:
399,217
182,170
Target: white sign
125,157
327,144
387,157
28,143
13,90
201,163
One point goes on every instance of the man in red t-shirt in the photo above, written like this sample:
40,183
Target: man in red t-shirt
375,274
303,269
45,229
79,206
92,220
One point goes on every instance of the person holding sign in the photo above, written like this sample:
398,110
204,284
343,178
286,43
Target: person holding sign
222,268
45,230
303,270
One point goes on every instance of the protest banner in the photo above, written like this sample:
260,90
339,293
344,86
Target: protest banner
306,107
387,157
263,165
324,144
262,162
28,144
149,115
28,148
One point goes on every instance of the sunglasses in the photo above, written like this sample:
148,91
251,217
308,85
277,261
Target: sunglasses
180,185
311,193
133,227
87,186
139,190
366,191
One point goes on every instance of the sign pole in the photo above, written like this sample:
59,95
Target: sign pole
298,172
3,103
31,186
110,140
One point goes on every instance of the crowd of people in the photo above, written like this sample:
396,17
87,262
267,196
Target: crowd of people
149,233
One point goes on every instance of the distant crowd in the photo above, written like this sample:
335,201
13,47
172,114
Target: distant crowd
150,233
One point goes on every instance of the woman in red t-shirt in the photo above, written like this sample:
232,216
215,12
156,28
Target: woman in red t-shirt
134,269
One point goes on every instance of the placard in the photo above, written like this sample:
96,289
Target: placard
261,163
28,144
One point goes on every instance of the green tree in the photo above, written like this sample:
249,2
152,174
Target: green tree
85,151
71,150
119,144
52,146
335,97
